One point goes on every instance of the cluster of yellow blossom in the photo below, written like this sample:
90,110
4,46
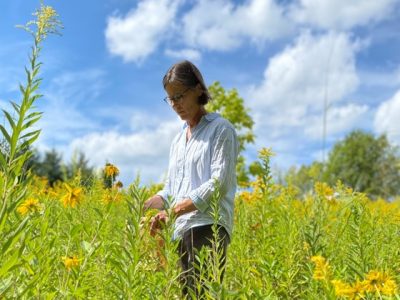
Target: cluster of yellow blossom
29,206
112,196
118,185
250,197
110,170
72,196
265,153
70,262
324,190
374,283
322,268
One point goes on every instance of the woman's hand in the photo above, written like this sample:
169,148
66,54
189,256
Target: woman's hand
158,221
156,202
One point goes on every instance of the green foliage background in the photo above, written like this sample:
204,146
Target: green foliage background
277,231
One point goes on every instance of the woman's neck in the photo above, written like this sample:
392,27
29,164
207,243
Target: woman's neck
196,119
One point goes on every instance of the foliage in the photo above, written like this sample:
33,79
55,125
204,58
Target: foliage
334,243
366,163
305,177
73,241
231,106
362,161
18,137
51,167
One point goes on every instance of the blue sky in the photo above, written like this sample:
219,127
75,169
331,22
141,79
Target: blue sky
102,78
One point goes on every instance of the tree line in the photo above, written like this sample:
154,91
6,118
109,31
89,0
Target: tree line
362,161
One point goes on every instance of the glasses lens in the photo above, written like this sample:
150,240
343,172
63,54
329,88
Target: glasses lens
176,99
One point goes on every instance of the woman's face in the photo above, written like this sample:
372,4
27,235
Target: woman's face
185,102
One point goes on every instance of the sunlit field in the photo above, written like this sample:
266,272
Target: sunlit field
92,243
90,239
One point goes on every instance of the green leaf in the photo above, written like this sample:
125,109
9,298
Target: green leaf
88,247
9,118
16,106
22,89
3,163
30,123
9,264
76,229
29,134
34,114
5,133
13,237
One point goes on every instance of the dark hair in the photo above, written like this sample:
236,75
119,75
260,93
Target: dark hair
187,73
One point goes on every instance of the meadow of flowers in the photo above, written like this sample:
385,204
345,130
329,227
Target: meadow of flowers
76,240
92,242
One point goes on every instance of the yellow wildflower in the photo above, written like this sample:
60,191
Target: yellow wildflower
324,190
359,289
306,246
112,196
246,196
265,152
343,289
322,268
72,197
379,282
70,262
29,206
111,170
118,185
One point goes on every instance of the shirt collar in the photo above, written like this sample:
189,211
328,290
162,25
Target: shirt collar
208,117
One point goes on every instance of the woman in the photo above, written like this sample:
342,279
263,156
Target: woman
204,152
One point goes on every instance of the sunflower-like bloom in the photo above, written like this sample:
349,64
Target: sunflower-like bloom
111,170
70,262
322,268
72,196
112,197
379,282
324,190
343,289
265,152
118,185
29,206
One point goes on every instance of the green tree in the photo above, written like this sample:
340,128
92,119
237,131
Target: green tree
79,165
50,166
231,106
305,177
366,163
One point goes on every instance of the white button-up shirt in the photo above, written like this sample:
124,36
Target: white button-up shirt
211,153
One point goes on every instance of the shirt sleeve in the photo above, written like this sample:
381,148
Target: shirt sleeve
165,193
223,169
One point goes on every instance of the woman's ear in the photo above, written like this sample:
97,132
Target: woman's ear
199,90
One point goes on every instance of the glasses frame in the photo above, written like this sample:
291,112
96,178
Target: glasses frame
176,98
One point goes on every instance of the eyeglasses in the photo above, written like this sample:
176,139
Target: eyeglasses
177,98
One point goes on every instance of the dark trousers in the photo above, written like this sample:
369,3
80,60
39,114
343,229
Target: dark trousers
190,245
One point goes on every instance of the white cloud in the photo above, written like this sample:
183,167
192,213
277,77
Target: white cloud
222,25
140,32
341,14
288,104
339,119
145,151
301,75
63,114
387,118
190,54
380,78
